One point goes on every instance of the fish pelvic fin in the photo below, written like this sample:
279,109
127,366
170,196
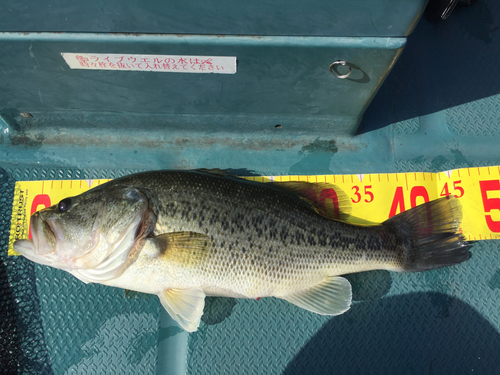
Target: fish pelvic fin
429,234
332,297
185,306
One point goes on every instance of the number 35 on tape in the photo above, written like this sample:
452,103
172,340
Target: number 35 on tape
374,197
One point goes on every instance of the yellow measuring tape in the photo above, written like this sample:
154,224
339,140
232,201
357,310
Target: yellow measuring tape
375,197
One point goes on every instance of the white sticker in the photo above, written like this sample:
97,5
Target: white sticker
152,63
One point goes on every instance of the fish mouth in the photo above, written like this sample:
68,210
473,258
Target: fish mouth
44,236
25,247
31,249
41,248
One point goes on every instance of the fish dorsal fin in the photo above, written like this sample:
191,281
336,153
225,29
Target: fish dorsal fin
185,306
236,173
179,246
332,297
214,171
327,199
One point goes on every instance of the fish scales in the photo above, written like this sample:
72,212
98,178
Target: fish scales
263,241
186,234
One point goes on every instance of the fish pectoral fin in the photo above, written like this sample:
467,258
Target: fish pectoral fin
331,297
185,306
179,244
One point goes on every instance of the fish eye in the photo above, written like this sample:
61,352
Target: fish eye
64,205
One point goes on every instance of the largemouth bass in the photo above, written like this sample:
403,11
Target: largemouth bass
183,235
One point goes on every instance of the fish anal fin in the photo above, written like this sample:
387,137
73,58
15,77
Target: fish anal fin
327,199
185,306
332,297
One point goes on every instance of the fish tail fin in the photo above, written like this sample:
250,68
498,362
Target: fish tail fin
429,235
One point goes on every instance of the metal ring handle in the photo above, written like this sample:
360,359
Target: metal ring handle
333,69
